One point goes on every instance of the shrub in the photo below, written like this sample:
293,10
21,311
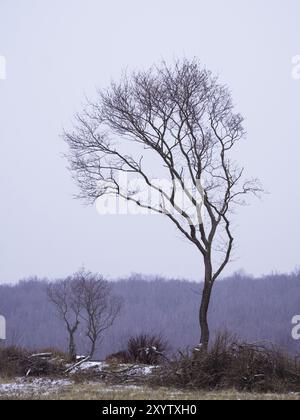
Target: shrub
12,361
146,349
230,363
16,361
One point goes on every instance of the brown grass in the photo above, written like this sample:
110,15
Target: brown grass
100,392
16,361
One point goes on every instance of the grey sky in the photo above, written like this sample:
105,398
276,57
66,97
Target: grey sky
57,51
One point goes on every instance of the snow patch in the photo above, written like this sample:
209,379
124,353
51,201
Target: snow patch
39,386
98,366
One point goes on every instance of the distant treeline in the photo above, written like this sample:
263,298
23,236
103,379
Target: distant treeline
254,309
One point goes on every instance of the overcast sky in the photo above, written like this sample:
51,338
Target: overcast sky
58,51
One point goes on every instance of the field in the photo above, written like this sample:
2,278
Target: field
47,389
41,377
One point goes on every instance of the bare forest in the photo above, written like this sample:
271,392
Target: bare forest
241,305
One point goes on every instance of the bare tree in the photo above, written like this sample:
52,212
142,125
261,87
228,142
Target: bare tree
182,117
100,307
65,295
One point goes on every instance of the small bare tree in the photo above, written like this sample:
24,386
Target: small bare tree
65,295
100,307
181,118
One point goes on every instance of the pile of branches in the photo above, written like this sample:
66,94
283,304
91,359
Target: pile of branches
19,362
232,364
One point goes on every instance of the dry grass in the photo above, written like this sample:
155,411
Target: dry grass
5,380
100,392
93,392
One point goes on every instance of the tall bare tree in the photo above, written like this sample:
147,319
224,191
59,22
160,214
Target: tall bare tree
65,295
181,118
100,307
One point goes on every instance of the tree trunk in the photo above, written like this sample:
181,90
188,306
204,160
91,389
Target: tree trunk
205,301
72,347
93,348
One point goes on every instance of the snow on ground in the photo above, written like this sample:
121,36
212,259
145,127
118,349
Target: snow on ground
143,370
138,370
88,366
42,387
37,386
93,365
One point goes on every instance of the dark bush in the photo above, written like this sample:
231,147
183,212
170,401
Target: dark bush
146,349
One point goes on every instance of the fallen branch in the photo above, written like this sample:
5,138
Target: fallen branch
76,365
41,356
